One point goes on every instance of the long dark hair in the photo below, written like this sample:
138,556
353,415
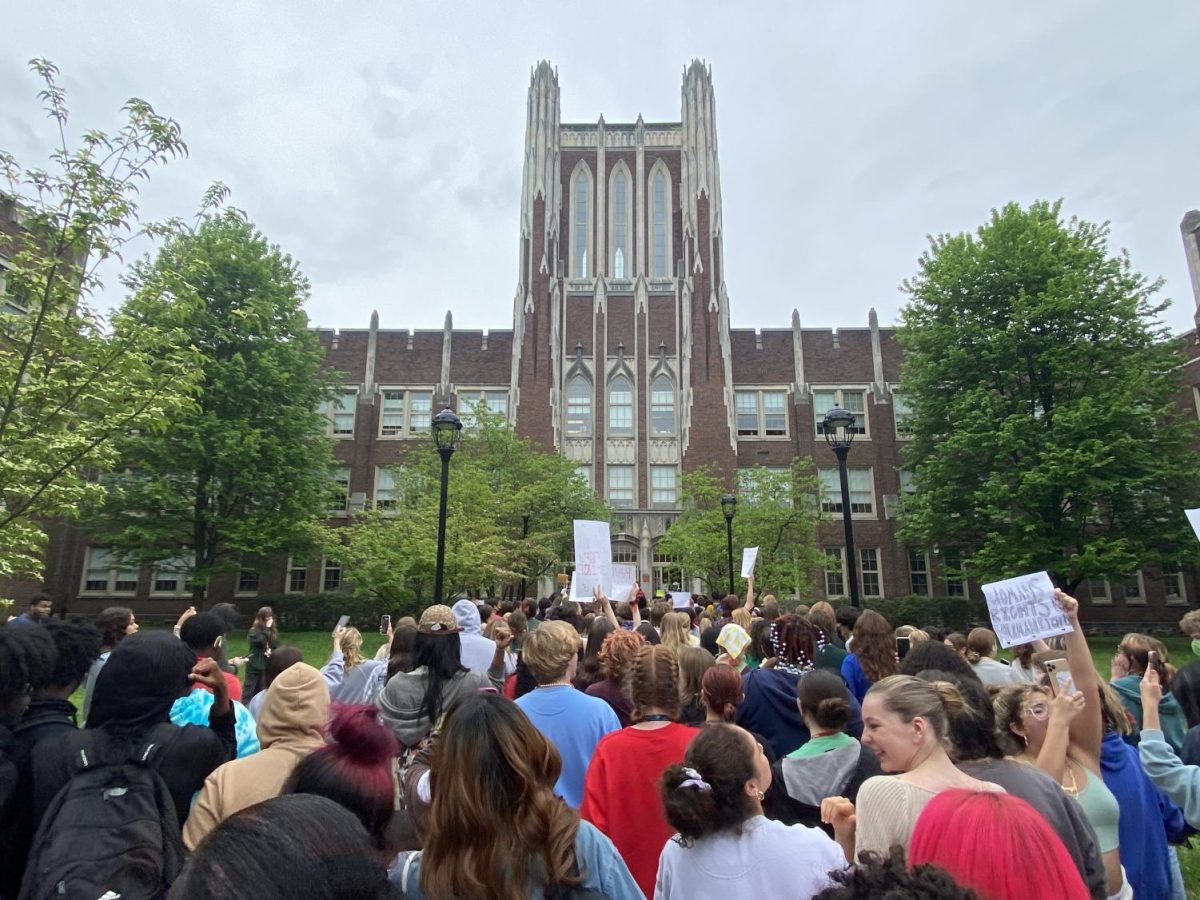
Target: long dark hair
112,623
1185,686
260,624
875,645
400,658
591,671
495,822
441,655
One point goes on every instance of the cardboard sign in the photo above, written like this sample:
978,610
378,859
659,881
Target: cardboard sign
681,600
623,577
1193,516
1023,609
749,557
593,559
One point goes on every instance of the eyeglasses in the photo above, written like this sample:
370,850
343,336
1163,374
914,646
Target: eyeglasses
1038,710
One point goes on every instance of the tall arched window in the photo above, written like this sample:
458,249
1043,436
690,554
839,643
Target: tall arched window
658,231
580,233
579,406
662,406
620,406
620,224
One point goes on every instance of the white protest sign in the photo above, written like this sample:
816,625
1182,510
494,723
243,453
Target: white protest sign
593,559
1193,519
749,557
1023,609
680,599
623,577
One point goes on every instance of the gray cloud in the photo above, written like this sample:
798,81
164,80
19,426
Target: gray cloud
382,145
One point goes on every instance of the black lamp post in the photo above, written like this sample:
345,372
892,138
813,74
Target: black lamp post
524,534
447,428
838,426
729,507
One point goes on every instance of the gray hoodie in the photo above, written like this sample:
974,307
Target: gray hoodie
477,651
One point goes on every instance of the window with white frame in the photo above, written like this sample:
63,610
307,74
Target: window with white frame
585,472
331,576
579,405
581,193
404,412
1098,591
1128,588
496,400
659,224
862,491
340,412
297,576
662,406
664,485
902,412
853,400
104,574
1174,590
918,573
624,552
835,581
620,486
869,576
171,577
956,584
621,218
248,574
620,406
761,413
386,493
870,579
420,412
339,491
906,482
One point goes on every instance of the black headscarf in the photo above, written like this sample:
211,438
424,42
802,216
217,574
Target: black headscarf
145,674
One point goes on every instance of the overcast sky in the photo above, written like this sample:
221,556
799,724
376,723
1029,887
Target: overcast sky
381,143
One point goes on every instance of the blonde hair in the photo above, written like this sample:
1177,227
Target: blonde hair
1190,623
937,702
741,616
917,635
548,651
676,628
351,644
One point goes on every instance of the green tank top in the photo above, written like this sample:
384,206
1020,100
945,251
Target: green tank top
1101,810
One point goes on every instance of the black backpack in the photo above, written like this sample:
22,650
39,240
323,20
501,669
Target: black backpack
112,830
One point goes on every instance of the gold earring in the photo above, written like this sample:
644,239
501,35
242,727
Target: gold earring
760,795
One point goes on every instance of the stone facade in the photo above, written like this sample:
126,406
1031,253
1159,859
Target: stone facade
622,357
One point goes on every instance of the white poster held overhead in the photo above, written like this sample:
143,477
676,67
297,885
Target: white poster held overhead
1194,520
680,599
749,557
1024,610
593,559
623,577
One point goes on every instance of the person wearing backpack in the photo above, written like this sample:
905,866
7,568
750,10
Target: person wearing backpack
51,715
109,801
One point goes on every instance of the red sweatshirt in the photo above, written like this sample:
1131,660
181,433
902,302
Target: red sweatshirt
620,793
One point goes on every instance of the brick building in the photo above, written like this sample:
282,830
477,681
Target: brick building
623,358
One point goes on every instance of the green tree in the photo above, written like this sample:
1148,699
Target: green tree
776,512
247,470
71,382
496,478
1043,389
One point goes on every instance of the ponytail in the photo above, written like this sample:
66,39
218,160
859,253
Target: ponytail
937,702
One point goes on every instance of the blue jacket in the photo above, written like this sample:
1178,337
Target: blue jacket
769,709
1149,820
854,676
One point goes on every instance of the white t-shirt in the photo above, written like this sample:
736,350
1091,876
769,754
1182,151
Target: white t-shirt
767,861
992,671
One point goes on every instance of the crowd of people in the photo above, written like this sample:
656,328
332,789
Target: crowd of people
558,749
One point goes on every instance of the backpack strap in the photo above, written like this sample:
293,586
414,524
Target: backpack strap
155,744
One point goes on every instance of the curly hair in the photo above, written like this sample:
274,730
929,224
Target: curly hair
888,876
655,682
793,641
875,645
77,647
1007,706
618,652
351,643
724,756
495,822
113,623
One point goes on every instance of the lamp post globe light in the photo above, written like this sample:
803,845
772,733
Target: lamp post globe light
729,507
446,428
838,428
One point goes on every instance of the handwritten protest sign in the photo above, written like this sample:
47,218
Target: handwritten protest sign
1023,609
680,599
749,557
623,577
593,559
1193,516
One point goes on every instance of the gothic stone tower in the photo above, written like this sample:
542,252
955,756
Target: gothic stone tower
621,345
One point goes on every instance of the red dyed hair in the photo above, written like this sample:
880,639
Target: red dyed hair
996,844
722,690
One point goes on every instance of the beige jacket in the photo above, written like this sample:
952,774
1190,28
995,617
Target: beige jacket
290,726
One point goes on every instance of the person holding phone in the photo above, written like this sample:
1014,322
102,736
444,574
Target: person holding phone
1061,734
350,677
263,638
1178,781
1134,655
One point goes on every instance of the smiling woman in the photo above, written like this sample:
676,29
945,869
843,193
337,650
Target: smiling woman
906,722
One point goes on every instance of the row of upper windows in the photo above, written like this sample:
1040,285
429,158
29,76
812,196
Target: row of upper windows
620,481
405,412
620,406
621,231
763,413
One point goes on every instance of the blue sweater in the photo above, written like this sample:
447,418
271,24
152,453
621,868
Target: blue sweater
769,709
1179,782
854,676
573,722
1148,819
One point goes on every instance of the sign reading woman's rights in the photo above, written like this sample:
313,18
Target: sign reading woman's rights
1024,610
